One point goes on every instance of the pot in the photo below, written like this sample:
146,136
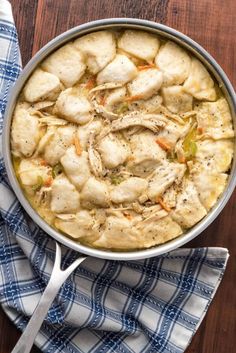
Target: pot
83,29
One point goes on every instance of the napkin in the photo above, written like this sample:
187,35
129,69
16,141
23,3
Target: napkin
152,305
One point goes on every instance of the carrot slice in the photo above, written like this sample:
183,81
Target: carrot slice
163,144
103,100
181,159
91,82
133,98
43,163
77,144
128,216
163,204
131,158
146,67
48,181
200,130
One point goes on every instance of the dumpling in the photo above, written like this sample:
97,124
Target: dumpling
65,197
84,131
215,155
76,167
30,170
116,95
214,119
141,44
147,105
177,100
199,83
209,186
74,107
80,225
99,48
119,233
165,175
120,70
159,232
145,154
95,193
189,209
174,62
42,85
44,141
128,190
58,144
146,84
114,151
66,63
25,133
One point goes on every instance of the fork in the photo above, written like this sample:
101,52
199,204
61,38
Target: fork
57,278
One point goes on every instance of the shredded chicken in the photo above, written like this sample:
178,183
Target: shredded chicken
163,110
100,109
153,122
41,105
65,216
105,86
51,120
95,160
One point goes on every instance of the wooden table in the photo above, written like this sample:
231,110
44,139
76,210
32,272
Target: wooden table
212,24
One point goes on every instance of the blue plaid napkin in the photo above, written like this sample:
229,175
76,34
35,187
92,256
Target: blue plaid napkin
153,305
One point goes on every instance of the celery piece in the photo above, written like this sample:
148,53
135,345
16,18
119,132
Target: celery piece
56,170
122,108
189,144
116,180
38,185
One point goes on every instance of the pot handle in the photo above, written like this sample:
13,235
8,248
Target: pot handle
57,278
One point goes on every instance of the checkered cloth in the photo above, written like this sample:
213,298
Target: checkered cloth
153,305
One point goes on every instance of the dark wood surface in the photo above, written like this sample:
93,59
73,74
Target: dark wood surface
212,24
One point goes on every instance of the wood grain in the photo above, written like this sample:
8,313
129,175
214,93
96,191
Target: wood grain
212,24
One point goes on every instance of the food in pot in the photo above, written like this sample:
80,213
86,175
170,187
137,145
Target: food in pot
122,140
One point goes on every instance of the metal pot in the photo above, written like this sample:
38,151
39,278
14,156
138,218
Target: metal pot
155,28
